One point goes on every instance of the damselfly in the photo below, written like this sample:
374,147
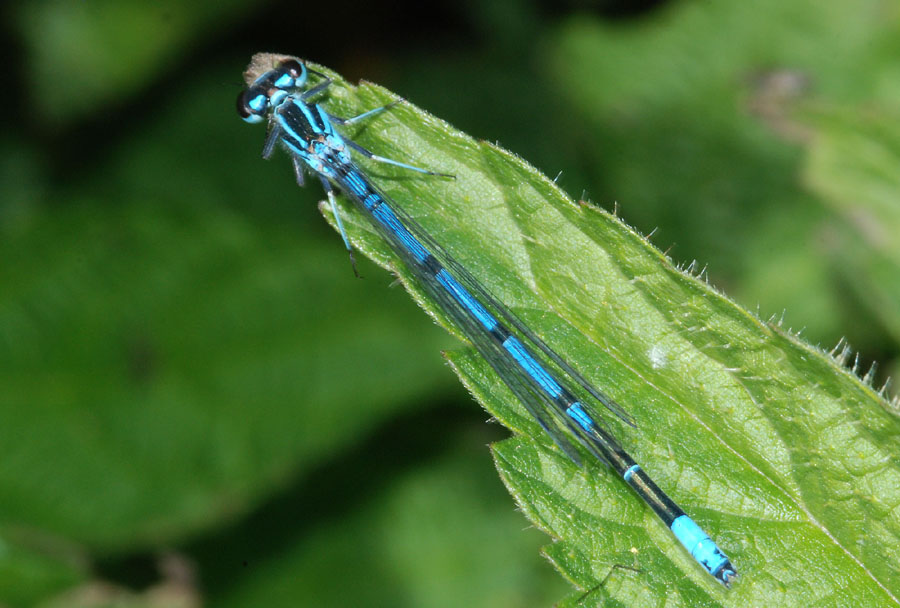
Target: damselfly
278,92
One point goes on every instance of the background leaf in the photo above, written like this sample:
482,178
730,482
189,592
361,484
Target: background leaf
854,163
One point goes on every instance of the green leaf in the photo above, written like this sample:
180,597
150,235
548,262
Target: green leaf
88,54
33,568
854,164
156,361
786,458
442,534
684,118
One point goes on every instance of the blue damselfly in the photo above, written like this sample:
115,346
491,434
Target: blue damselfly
278,92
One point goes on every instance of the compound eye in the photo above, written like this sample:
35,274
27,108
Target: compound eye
292,66
252,104
293,74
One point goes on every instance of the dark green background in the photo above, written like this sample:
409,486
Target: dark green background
199,404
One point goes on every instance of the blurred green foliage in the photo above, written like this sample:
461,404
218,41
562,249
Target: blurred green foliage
188,368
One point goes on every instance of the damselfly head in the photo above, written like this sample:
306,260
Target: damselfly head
270,89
